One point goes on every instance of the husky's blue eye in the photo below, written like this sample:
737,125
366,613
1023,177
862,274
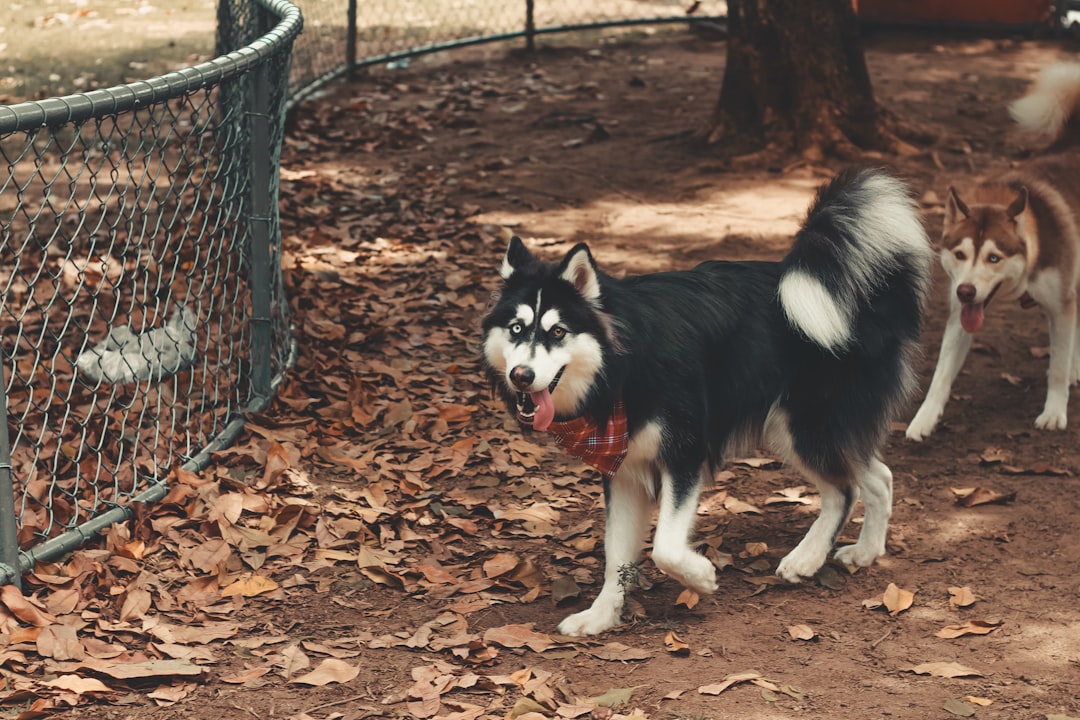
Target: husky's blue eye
516,329
993,259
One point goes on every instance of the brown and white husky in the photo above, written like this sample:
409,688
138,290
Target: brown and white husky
1017,237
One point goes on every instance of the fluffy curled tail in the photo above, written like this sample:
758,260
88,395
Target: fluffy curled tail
862,237
1052,106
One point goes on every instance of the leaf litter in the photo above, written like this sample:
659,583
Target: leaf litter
383,464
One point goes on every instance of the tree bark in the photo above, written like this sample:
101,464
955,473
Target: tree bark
796,79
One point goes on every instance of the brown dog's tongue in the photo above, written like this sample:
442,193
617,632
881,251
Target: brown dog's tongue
545,409
971,316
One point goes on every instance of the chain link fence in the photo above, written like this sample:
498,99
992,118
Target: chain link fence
142,308
391,31
142,312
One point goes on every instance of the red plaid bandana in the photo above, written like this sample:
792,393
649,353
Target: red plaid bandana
604,449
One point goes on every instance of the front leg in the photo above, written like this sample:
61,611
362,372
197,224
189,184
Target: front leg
672,553
1062,340
629,507
955,345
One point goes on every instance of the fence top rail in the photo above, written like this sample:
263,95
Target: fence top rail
77,107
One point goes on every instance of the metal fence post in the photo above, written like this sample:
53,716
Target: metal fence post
9,533
530,25
260,192
350,39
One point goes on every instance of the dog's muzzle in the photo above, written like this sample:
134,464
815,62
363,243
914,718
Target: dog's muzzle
526,408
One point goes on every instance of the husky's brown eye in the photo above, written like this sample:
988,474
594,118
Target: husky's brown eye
993,259
558,332
960,255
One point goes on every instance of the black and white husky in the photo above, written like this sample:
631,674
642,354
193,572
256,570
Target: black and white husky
653,379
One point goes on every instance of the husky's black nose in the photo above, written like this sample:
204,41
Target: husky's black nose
522,377
965,293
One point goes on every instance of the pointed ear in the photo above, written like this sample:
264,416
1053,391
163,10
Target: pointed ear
579,269
1018,205
517,257
955,207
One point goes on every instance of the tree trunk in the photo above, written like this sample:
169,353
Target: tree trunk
796,80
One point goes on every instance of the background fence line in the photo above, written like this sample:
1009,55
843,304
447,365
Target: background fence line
142,308
341,36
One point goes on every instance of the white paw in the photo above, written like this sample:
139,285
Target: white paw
859,555
591,622
693,571
799,564
921,426
1051,420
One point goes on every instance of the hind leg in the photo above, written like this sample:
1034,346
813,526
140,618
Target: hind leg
811,553
629,506
672,553
875,484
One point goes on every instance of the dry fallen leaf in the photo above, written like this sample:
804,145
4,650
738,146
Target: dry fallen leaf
687,598
500,564
149,669
896,600
970,497
515,636
564,588
945,670
675,645
59,642
330,670
23,608
971,627
79,685
250,587
961,597
728,681
801,632
792,495
734,505
245,675
615,697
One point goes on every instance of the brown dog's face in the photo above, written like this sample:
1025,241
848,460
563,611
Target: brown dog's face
983,253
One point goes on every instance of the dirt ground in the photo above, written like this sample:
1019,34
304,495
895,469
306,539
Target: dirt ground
55,47
597,144
393,185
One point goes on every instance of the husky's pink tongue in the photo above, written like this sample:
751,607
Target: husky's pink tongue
971,316
545,409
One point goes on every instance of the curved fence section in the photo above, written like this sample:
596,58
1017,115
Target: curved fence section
142,311
340,35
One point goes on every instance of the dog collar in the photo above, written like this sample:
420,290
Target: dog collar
602,448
